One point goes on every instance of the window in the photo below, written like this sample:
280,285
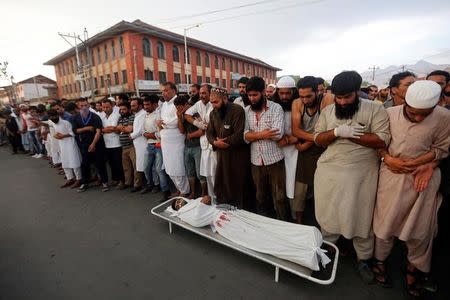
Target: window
208,80
223,64
217,81
102,82
231,65
199,58
177,77
188,79
148,75
99,57
188,57
70,89
124,77
116,78
146,47
160,48
199,79
216,62
175,54
224,83
162,77
236,67
122,49
92,58
207,60
254,72
63,69
79,86
108,80
95,83
106,52
72,66
113,50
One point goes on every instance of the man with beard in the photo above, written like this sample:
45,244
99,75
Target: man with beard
305,113
194,94
225,133
346,177
408,199
263,129
70,154
88,127
270,91
320,86
139,140
242,100
372,91
172,140
284,95
124,127
399,84
198,115
442,78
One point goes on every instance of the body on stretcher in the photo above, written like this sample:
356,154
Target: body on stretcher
232,238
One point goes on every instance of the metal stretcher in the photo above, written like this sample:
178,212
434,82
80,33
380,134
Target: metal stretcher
278,263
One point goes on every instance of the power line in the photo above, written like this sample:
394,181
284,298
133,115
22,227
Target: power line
210,12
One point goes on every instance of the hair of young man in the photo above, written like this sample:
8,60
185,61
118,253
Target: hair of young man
196,85
308,82
440,73
320,80
346,82
139,101
171,85
151,98
243,80
208,86
126,104
180,100
107,101
255,84
395,80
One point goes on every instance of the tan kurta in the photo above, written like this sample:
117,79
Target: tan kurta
345,182
401,211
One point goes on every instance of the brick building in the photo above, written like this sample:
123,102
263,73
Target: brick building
159,57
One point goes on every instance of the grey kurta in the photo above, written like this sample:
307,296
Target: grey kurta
400,210
346,177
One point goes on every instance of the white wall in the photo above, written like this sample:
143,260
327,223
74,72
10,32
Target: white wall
29,91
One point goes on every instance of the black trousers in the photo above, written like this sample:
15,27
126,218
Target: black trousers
98,159
16,142
114,159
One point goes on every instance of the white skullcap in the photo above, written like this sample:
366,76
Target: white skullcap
272,85
286,82
423,94
112,99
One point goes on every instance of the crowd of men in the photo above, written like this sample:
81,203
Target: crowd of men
371,158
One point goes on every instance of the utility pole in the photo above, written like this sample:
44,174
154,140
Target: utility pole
136,82
373,68
75,37
186,51
37,88
403,68
89,57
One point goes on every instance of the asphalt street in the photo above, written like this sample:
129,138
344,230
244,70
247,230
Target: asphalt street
59,244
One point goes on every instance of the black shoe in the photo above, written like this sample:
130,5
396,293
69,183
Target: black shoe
365,271
156,189
146,190
165,197
135,189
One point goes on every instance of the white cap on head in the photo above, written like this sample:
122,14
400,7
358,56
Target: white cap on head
286,82
423,94
272,85
112,99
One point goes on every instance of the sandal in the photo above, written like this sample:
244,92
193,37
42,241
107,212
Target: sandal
381,276
413,286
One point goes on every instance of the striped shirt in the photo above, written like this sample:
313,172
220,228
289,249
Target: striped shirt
124,138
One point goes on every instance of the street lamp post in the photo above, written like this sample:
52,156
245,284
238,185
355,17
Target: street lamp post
186,51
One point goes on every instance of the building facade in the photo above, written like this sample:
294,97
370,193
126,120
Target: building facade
127,53
36,88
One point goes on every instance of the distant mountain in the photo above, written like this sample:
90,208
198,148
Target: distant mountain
421,69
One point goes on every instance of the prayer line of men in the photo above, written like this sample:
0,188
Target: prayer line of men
267,149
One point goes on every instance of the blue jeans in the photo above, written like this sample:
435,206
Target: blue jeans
35,145
154,172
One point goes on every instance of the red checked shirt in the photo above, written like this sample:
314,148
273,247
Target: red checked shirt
265,152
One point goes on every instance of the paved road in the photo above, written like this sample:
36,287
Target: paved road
57,244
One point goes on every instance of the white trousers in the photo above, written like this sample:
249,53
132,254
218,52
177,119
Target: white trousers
181,183
210,183
72,172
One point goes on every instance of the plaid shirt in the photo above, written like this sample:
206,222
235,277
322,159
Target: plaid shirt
265,152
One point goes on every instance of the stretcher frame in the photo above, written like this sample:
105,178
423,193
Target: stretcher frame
278,263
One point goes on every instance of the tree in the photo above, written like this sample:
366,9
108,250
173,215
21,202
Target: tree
3,69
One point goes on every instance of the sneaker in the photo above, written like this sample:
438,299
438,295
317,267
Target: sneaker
146,190
365,271
135,189
156,189
39,156
105,187
82,188
34,156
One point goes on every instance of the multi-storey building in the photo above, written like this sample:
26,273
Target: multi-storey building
36,88
129,54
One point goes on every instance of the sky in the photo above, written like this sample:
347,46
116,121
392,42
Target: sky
301,37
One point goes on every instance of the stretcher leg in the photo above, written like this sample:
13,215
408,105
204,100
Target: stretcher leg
277,274
170,228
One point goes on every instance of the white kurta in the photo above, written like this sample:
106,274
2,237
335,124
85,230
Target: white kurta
208,161
290,158
172,140
70,153
139,140
56,151
297,243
